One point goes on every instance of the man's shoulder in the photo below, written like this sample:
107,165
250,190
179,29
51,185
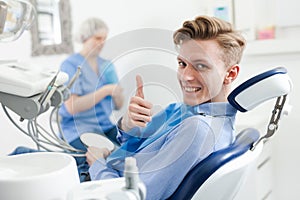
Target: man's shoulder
174,106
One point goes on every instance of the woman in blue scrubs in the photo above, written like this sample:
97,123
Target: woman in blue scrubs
95,93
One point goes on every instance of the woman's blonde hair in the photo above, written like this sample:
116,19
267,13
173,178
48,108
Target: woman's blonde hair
90,27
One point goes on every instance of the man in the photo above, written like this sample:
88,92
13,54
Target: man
167,145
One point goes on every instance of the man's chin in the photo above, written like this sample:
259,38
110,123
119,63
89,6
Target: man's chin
195,101
190,102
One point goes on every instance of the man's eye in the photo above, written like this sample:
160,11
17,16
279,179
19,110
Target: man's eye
182,64
200,66
99,38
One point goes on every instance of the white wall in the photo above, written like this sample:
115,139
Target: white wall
126,16
123,16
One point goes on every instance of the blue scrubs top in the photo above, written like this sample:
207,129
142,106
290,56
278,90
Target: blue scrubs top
95,119
176,139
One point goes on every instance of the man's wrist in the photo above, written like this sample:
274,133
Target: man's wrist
119,123
122,125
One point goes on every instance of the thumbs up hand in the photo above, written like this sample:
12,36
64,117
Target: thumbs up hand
139,109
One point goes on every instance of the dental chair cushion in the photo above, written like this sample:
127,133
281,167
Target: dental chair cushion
202,171
260,88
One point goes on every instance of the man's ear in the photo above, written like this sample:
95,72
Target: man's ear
231,74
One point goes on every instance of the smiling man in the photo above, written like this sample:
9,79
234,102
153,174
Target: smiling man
170,143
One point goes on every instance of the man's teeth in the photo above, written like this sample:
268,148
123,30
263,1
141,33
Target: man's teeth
191,89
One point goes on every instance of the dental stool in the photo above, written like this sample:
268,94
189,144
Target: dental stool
221,175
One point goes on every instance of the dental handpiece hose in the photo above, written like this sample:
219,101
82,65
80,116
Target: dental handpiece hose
73,79
131,173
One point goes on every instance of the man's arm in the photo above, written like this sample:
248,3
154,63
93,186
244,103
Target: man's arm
185,146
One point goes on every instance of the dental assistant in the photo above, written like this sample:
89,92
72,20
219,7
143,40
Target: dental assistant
168,145
96,92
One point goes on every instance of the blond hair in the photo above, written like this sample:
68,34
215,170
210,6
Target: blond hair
90,27
231,41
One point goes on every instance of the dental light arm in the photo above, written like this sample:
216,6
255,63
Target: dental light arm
270,84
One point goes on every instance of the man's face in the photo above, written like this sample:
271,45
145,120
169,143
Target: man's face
201,72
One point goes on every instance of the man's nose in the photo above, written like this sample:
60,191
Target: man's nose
188,73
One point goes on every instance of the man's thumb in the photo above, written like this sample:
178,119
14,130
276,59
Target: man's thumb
139,85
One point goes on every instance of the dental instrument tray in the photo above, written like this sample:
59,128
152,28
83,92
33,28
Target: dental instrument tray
22,80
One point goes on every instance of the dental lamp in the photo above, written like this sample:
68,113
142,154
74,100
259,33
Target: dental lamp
16,16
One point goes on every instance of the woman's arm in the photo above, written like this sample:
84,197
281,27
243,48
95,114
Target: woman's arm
118,97
112,78
76,103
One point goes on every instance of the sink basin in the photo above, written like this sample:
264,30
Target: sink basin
37,176
99,190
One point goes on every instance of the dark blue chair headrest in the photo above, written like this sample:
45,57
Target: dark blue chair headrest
203,170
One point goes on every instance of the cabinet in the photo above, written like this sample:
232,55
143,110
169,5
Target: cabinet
264,173
254,18
259,182
274,46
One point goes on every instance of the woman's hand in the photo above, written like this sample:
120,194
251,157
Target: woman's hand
118,96
116,92
139,110
94,153
76,103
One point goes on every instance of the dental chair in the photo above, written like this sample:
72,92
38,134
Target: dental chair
222,174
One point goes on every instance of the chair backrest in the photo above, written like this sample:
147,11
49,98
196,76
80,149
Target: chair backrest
209,178
221,174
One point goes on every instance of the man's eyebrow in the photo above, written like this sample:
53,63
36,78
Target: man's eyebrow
179,57
200,60
192,61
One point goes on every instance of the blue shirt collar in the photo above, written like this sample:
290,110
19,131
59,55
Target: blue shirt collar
213,109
